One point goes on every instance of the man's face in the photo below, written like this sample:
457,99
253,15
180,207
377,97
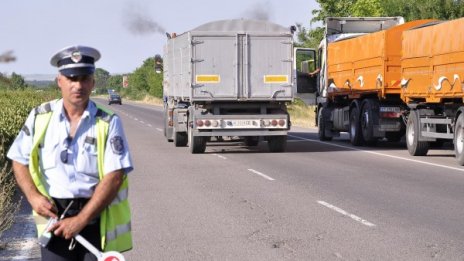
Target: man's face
76,90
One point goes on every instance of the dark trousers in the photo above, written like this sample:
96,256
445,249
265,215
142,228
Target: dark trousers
58,247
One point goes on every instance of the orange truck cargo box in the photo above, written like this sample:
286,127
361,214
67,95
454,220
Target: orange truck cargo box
367,64
433,62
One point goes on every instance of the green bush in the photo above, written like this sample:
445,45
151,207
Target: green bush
15,106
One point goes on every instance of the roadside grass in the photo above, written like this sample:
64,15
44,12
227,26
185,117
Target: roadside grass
301,115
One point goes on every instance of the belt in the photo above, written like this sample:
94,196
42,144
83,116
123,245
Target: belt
76,206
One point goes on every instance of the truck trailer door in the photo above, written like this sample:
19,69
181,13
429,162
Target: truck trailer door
306,74
267,61
214,67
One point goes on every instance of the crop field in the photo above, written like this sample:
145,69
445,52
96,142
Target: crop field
14,108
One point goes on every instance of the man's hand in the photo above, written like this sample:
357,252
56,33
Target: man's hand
43,206
68,227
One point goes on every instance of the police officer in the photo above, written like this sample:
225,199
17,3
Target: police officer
72,153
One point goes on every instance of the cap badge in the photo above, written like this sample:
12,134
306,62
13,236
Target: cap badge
76,56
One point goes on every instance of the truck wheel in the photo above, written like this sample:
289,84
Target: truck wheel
368,120
459,140
180,139
277,143
196,144
321,126
355,128
251,141
415,147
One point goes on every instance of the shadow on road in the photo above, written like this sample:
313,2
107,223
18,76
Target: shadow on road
299,142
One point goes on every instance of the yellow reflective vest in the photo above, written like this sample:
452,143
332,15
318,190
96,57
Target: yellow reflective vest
115,219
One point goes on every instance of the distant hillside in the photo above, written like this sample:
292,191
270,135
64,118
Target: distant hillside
40,83
39,77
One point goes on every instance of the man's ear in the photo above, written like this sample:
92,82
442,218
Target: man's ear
58,81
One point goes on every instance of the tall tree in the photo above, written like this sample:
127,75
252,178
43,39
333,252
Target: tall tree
425,9
17,81
115,82
410,10
145,80
101,80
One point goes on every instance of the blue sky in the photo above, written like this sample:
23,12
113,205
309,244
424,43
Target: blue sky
35,30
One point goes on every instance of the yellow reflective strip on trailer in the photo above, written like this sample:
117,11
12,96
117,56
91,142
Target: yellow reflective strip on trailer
275,78
212,78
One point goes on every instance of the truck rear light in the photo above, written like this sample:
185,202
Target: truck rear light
207,123
214,123
390,114
266,123
199,123
274,123
281,122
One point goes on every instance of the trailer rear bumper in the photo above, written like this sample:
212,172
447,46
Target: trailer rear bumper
213,133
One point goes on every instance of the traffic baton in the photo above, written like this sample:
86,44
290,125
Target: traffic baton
102,256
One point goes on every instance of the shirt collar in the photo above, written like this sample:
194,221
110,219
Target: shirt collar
90,111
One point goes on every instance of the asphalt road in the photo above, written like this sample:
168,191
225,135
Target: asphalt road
317,201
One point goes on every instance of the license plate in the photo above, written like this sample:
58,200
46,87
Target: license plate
241,124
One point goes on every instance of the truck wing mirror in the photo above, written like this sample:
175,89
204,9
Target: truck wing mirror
158,64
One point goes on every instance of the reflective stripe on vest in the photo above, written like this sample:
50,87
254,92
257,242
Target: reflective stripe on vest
115,220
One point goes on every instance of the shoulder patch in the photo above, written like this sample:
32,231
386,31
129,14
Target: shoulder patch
117,145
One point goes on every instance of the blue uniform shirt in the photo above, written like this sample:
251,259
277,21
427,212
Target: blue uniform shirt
78,177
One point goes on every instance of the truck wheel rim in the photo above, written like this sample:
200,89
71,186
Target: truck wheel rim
410,136
459,141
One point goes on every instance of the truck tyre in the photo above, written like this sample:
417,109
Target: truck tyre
355,128
180,139
459,140
196,144
277,143
368,119
415,147
251,141
322,126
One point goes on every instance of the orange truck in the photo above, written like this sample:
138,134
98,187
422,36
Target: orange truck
432,69
381,78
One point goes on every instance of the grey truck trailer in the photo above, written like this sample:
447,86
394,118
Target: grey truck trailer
229,78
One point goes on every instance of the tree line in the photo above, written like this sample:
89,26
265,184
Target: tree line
145,81
141,82
410,10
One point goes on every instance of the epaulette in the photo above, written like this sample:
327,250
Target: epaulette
104,115
43,108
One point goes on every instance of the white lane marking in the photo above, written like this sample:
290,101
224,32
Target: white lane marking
142,122
219,156
261,174
343,212
149,125
380,154
136,119
158,129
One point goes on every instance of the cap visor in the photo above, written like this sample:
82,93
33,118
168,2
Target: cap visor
77,71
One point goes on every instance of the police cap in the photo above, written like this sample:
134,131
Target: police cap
76,60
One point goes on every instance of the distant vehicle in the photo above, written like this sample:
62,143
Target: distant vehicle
114,98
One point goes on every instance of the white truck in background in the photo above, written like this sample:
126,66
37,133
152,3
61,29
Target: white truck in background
229,78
